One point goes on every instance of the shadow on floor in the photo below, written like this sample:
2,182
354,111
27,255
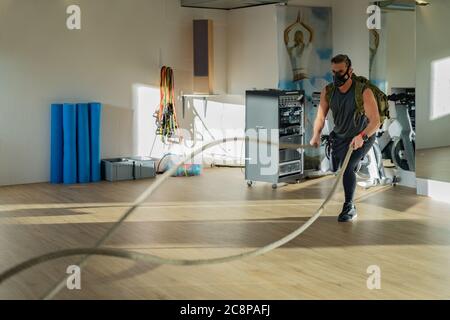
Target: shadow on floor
42,213
325,232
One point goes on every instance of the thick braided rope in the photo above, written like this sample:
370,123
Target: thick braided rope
96,250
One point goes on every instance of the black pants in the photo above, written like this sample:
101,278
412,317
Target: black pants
339,149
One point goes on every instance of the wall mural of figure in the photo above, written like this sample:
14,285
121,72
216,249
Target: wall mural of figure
298,38
373,46
304,54
378,55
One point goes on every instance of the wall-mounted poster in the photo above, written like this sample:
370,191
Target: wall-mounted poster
378,55
304,54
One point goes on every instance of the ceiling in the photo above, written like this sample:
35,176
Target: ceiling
235,4
409,5
226,4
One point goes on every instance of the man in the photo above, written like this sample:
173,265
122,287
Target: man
349,130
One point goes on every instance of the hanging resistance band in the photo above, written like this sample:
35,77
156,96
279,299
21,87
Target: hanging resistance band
166,117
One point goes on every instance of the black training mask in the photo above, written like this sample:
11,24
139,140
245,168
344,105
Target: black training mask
340,80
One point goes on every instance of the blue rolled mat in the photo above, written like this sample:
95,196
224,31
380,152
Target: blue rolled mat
95,111
56,144
83,145
70,143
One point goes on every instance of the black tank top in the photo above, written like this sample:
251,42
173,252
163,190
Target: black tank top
343,107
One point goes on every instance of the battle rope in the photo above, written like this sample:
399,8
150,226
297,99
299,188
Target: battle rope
159,260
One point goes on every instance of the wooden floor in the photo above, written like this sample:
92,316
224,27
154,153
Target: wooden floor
214,215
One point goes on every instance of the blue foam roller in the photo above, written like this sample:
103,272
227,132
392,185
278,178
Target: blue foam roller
95,112
70,143
56,144
83,144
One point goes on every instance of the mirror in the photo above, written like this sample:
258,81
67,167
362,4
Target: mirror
392,69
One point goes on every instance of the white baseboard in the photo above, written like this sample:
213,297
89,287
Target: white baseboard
406,178
222,160
437,190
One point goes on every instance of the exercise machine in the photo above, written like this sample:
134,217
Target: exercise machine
401,146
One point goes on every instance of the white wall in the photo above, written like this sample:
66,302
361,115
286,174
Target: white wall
433,26
433,119
252,49
120,46
401,49
350,33
252,42
115,59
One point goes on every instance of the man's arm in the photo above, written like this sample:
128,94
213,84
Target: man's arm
319,123
286,32
371,111
310,30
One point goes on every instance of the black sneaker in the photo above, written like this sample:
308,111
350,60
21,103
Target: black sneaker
348,213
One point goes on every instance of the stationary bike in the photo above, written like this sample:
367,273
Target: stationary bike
398,143
370,170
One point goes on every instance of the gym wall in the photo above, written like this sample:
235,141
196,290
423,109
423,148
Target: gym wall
433,104
118,52
121,44
350,34
252,50
251,59
401,49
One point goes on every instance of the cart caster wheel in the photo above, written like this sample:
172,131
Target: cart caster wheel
274,186
249,183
